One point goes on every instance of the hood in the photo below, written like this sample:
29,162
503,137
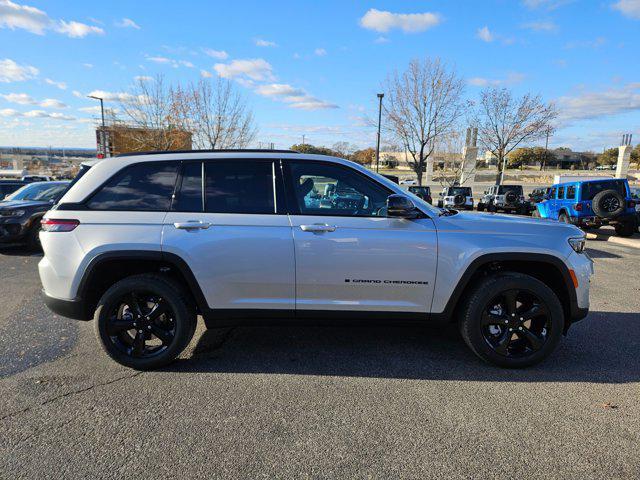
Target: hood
503,224
16,204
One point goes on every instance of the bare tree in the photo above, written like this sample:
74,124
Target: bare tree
423,103
215,113
150,116
504,122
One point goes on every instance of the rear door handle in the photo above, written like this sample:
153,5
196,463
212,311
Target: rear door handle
318,227
192,225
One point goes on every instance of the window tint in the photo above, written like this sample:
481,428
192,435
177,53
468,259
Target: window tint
189,196
552,193
591,189
560,192
571,192
328,189
141,187
239,186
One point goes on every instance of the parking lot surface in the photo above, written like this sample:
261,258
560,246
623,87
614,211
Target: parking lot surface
330,402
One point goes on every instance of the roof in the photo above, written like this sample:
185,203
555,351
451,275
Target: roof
225,150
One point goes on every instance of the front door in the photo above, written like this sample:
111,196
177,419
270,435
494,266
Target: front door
349,255
228,223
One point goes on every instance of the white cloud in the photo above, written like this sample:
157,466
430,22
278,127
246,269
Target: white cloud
28,18
111,96
383,21
170,61
295,97
217,54
381,39
629,8
25,99
254,69
127,23
75,29
143,78
511,79
265,43
60,85
542,26
87,65
95,110
206,74
485,34
10,112
10,71
321,52
595,43
77,94
589,105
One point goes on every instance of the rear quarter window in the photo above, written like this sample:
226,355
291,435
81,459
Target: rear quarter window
591,189
144,186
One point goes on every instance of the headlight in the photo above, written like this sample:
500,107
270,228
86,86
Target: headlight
577,244
12,213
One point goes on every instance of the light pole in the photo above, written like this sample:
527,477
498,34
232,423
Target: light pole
102,132
380,96
101,106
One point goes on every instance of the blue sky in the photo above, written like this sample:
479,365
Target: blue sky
314,67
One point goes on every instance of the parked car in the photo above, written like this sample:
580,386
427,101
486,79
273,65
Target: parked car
145,243
20,212
635,195
508,198
35,178
9,186
606,167
411,181
457,198
423,192
538,195
591,204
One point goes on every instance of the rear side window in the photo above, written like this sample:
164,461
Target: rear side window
145,186
591,189
552,193
189,196
571,192
560,192
239,186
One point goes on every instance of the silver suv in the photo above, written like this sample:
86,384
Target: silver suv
144,244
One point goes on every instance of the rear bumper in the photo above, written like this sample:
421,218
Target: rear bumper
74,309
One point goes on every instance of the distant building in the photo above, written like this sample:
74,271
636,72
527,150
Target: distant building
115,139
401,160
565,158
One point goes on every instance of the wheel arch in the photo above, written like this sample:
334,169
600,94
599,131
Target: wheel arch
547,268
109,267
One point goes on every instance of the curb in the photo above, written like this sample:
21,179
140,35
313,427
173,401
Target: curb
627,242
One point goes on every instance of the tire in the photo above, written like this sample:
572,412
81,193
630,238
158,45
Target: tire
491,208
625,229
494,342
33,237
114,314
563,218
439,203
608,204
481,207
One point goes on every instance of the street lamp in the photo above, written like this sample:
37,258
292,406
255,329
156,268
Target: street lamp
380,96
101,106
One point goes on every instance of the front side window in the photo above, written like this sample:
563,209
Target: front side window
552,193
239,186
571,192
146,186
333,190
560,192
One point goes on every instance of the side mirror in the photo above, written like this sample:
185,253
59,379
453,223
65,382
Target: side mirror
400,206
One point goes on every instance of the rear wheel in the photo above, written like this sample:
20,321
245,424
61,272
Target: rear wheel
625,229
512,320
143,321
491,208
481,207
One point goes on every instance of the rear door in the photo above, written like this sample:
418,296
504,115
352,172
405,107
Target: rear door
349,256
229,224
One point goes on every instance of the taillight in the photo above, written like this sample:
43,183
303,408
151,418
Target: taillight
578,207
58,225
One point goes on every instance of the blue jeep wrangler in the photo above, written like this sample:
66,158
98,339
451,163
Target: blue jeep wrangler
591,204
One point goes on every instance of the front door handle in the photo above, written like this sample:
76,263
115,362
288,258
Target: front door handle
192,225
318,227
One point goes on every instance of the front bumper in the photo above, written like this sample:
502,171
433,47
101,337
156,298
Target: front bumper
582,266
12,230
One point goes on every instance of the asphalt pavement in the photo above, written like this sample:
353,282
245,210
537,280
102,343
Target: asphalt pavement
321,402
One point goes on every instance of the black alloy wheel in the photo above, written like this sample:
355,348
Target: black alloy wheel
516,323
511,320
144,321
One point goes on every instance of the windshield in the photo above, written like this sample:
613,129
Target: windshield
465,191
38,191
510,188
591,189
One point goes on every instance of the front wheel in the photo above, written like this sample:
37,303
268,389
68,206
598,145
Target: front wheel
563,218
491,208
480,207
512,320
143,321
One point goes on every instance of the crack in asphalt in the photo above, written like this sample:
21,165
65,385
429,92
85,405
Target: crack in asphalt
69,394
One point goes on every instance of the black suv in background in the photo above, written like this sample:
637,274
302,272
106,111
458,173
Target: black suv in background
21,212
10,186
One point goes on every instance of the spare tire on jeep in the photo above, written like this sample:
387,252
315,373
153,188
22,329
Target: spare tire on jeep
608,204
510,197
459,200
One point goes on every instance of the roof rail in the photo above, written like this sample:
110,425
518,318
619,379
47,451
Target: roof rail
222,150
